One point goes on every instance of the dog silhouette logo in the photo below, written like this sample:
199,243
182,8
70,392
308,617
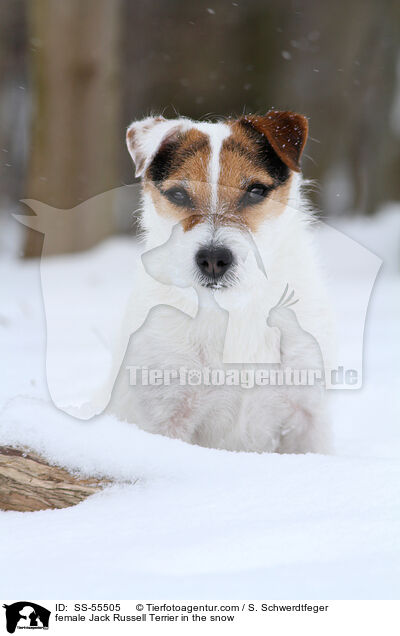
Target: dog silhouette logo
163,275
26,615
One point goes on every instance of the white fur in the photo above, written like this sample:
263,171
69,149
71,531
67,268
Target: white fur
274,419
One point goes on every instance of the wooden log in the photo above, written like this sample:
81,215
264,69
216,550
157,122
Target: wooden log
28,482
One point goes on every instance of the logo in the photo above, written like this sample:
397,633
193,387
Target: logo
165,275
26,615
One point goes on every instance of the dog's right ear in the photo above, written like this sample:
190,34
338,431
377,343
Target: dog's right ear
145,137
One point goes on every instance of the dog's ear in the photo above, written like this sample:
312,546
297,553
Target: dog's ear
144,138
286,132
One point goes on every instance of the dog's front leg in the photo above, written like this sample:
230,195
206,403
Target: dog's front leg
172,410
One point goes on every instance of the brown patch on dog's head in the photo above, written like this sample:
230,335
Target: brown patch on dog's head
256,162
181,157
258,159
180,169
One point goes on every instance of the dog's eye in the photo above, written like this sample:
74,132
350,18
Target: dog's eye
255,193
178,196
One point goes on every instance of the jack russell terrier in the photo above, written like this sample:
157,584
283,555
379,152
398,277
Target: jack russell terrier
227,237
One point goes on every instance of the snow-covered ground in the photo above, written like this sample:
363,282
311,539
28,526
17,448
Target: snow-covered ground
189,522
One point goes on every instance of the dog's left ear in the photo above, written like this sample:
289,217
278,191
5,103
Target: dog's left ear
145,137
286,132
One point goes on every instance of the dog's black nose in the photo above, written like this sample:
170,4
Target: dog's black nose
213,262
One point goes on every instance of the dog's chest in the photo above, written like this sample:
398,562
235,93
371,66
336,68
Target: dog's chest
204,411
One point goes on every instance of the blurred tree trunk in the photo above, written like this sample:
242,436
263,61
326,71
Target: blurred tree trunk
340,71
75,114
13,102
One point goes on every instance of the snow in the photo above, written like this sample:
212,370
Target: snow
194,523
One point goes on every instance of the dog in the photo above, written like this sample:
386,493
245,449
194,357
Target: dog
228,247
